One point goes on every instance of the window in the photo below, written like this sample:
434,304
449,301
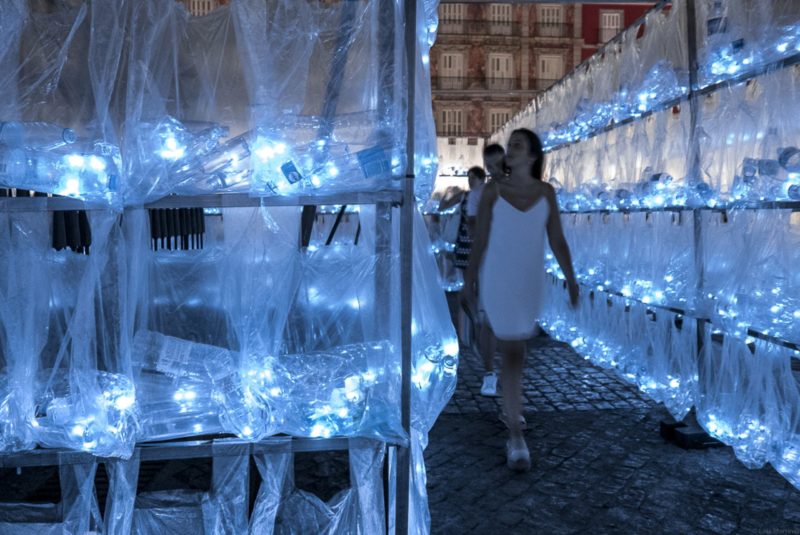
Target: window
451,18
550,21
452,122
610,25
500,19
198,8
551,67
451,12
451,71
500,71
497,118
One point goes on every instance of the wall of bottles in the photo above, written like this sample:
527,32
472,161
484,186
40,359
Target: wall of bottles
673,213
244,333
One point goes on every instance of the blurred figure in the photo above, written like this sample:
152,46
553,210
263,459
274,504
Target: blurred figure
507,260
476,177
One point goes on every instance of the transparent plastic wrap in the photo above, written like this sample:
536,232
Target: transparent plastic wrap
744,391
612,252
749,146
641,165
85,395
295,341
443,233
750,277
323,133
660,70
281,508
736,36
123,476
77,512
24,307
222,509
654,349
56,132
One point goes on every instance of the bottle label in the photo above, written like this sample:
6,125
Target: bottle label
174,357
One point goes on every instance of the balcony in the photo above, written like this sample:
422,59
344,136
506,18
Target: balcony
450,83
547,29
478,27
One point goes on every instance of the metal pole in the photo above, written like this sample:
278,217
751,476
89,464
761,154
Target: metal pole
694,155
406,264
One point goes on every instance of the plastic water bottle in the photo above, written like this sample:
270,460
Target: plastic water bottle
221,168
174,357
280,168
243,412
36,135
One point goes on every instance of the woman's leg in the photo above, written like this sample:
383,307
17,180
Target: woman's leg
511,380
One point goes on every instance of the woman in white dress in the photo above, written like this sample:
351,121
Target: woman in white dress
508,257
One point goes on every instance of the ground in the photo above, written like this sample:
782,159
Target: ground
599,463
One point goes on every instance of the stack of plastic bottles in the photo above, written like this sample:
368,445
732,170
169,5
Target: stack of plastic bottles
658,247
245,334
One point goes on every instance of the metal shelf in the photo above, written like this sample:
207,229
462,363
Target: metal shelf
212,200
243,200
753,333
763,205
191,449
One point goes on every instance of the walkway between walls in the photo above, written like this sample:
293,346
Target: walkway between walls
599,463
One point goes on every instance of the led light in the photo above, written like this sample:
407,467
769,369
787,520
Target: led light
450,348
97,164
75,160
124,402
78,430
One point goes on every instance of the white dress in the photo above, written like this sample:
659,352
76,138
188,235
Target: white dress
512,271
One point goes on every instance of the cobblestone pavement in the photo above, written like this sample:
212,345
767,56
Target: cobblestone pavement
599,463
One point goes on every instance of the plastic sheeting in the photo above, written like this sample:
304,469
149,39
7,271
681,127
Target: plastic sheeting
131,101
281,508
654,349
77,512
250,335
646,68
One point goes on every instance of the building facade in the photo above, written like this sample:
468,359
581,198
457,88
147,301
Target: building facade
198,8
601,22
491,59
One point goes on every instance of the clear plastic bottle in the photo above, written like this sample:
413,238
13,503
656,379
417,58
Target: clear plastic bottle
223,167
281,169
243,413
36,135
174,357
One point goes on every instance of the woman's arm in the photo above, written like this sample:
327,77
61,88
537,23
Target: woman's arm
559,245
451,198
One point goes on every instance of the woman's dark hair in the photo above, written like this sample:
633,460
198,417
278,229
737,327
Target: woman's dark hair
494,148
478,172
535,145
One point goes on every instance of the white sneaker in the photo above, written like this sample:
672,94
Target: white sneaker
517,455
489,386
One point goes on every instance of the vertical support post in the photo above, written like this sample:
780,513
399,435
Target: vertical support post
406,265
389,98
695,171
